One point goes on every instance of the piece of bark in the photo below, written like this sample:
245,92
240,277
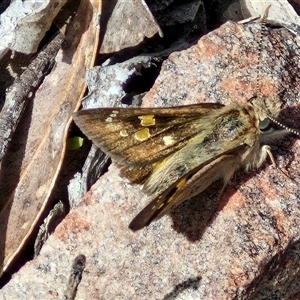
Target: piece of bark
106,83
237,251
95,165
54,217
75,277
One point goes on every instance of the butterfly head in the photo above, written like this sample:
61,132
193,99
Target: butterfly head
267,110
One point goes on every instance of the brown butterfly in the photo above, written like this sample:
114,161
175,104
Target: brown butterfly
178,152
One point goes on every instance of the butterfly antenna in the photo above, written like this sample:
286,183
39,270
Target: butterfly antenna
260,39
291,130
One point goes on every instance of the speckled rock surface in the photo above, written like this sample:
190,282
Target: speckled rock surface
245,246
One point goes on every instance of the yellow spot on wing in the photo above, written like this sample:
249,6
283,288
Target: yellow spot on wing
179,186
142,134
147,120
181,183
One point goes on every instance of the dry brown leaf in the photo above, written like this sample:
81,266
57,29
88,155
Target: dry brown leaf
31,166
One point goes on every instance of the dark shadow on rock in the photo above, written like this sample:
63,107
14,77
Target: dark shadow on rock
193,216
280,278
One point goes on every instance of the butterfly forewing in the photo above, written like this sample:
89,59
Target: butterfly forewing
141,136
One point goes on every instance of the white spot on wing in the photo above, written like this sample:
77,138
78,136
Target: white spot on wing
123,133
168,140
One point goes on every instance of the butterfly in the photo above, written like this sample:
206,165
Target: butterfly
178,152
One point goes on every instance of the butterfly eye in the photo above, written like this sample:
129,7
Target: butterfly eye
265,125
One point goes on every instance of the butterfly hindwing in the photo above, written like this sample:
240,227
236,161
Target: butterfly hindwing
193,183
